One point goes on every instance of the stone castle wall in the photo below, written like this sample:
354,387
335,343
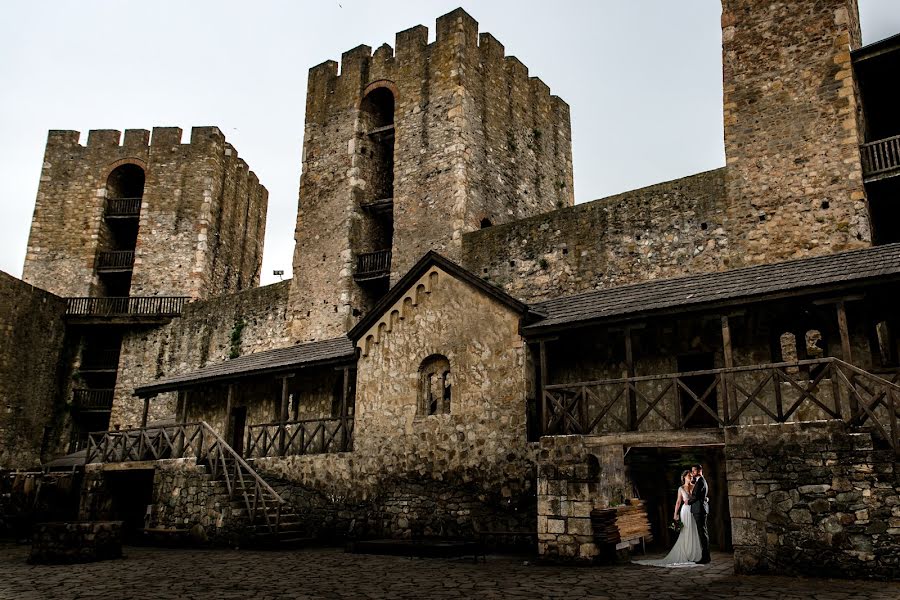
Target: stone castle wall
475,139
813,499
208,331
202,218
664,230
32,351
794,180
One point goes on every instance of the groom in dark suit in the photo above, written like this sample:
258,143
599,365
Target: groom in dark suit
700,510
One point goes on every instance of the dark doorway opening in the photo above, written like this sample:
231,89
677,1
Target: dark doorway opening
699,385
130,493
238,429
655,473
884,210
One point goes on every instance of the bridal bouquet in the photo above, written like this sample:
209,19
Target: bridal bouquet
676,526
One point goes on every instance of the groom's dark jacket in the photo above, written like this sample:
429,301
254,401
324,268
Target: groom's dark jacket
698,502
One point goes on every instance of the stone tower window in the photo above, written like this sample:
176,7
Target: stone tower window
435,386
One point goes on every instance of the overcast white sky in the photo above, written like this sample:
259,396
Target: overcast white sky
643,79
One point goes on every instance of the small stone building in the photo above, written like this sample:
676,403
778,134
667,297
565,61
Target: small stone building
462,351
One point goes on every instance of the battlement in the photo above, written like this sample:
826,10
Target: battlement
456,31
136,138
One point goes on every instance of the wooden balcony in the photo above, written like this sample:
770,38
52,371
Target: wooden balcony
881,158
808,390
125,310
382,133
294,438
117,261
89,400
123,208
373,265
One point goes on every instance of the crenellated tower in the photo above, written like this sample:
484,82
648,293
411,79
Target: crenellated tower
145,216
406,149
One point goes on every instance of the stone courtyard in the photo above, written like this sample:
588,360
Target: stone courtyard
330,573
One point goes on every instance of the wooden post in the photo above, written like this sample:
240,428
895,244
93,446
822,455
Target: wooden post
344,393
728,356
542,351
845,350
229,406
146,410
629,366
283,414
185,394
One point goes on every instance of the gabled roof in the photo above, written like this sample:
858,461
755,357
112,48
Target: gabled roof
737,286
433,259
335,350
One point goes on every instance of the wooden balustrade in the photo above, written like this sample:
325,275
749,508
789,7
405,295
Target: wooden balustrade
133,306
881,156
371,265
825,388
198,441
116,260
123,207
311,436
92,399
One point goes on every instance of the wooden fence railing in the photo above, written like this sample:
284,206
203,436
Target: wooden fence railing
198,441
131,306
312,436
373,264
115,260
825,388
88,399
123,207
880,156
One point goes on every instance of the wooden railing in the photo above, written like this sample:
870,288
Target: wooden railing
198,441
116,260
312,436
123,207
132,306
373,264
86,399
825,388
103,359
881,156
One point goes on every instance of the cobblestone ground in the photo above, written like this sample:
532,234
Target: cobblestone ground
329,573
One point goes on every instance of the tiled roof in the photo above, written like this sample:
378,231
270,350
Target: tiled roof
749,283
269,361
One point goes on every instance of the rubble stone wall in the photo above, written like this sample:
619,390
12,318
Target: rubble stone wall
208,331
794,179
813,499
32,351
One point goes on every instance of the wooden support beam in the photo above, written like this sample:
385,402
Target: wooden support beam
185,396
728,357
283,413
629,366
146,411
542,354
846,353
345,392
229,406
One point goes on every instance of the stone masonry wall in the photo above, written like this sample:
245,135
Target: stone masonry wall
664,230
794,178
32,339
813,499
478,451
204,334
201,224
475,138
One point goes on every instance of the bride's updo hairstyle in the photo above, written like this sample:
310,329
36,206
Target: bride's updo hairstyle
684,474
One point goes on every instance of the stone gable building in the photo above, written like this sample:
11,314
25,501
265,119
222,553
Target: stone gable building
463,352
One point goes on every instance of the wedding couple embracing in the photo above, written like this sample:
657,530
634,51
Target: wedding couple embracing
691,511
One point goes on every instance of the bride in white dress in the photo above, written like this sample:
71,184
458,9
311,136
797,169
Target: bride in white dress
686,550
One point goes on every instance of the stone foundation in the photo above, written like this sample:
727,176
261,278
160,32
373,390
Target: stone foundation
76,542
813,499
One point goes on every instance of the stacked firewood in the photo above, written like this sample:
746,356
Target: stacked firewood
621,523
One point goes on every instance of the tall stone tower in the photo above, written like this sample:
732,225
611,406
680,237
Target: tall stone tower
145,217
792,129
407,149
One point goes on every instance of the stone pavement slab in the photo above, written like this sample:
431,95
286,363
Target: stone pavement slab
147,573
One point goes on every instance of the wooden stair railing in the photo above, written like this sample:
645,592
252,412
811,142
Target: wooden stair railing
201,442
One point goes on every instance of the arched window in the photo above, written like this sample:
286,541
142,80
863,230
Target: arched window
125,181
435,386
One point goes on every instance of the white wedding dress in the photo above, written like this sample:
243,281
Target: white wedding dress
686,550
